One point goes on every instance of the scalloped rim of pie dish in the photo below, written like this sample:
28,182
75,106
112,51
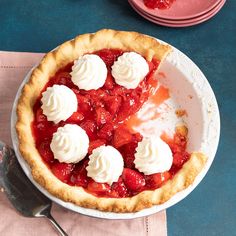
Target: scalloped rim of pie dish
61,56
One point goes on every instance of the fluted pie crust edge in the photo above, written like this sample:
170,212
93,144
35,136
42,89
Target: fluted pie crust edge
61,56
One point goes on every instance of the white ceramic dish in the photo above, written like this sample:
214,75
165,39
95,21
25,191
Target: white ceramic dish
192,92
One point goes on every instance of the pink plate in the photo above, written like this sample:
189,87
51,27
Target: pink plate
191,22
172,20
181,9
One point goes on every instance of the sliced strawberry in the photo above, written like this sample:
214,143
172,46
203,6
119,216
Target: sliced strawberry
76,117
79,175
45,151
97,94
121,137
118,90
86,109
106,131
84,104
95,144
124,112
109,56
161,4
62,171
112,104
120,188
180,158
45,129
129,107
64,78
128,151
82,99
164,4
98,188
80,179
96,97
133,179
102,116
40,117
156,180
90,127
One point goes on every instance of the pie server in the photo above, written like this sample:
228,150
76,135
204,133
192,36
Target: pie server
23,195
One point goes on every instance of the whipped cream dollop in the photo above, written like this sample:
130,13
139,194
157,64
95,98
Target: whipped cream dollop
58,103
89,72
70,144
129,70
153,155
105,165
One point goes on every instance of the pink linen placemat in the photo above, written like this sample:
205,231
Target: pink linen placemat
13,68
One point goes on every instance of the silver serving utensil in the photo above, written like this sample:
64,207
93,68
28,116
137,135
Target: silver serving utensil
23,195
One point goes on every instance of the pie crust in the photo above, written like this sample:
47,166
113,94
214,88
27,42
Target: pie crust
61,56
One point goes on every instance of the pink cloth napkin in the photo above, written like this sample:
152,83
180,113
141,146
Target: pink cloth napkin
13,68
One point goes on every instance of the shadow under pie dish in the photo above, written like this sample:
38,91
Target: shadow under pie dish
107,115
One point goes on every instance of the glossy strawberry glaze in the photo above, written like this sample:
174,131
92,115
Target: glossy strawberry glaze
102,114
160,4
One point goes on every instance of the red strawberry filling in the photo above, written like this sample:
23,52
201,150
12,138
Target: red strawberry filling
160,4
101,114
134,180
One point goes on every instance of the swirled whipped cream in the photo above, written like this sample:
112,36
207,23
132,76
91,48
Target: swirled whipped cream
105,165
89,72
70,144
152,156
130,69
58,103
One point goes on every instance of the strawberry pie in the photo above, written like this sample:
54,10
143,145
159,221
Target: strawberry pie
73,131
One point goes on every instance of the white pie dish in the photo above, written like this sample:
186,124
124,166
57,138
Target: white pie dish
192,93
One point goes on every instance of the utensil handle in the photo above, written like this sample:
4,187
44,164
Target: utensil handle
57,226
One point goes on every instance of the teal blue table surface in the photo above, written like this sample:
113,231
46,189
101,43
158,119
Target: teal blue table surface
41,25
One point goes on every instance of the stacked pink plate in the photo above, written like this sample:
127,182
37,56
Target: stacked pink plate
180,13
